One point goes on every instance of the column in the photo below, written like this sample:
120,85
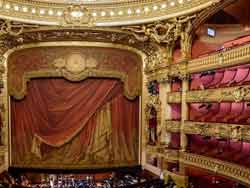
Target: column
184,113
164,87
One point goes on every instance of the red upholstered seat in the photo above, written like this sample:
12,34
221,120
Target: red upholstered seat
225,108
229,75
196,82
196,112
241,75
215,107
244,115
217,79
236,110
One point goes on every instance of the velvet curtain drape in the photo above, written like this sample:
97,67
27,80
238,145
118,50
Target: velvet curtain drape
61,123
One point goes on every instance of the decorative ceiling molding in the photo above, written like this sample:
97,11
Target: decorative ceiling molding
109,14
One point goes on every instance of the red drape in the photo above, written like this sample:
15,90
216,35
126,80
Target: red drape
62,114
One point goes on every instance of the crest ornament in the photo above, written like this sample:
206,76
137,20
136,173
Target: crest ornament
77,15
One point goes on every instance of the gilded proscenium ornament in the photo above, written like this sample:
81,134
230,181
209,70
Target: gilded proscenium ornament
154,54
166,32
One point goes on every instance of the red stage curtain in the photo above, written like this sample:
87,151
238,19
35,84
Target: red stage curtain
62,116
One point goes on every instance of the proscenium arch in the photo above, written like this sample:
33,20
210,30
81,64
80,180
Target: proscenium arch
83,74
7,115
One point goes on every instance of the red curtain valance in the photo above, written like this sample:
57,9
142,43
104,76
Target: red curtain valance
75,64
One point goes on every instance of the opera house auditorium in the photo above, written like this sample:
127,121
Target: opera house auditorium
124,94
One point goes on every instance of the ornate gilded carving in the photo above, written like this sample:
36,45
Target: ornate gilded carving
173,97
155,102
220,130
231,57
229,94
234,171
77,15
173,126
161,32
152,113
238,94
106,13
74,63
179,70
165,153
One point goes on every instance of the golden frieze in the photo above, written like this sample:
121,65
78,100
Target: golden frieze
173,126
75,64
229,94
161,32
105,14
228,169
219,130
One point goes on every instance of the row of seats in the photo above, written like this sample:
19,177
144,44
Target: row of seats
225,112
236,152
235,76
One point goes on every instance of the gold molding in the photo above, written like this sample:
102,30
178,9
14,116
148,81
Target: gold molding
106,14
172,126
229,94
234,132
179,180
5,130
174,97
227,169
170,155
232,57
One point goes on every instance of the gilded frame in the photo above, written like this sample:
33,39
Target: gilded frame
6,97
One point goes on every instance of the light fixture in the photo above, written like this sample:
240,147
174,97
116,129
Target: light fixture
76,13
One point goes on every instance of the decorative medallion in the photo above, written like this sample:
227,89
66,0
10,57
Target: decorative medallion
77,15
74,63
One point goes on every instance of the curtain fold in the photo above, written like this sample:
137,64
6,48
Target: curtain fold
78,123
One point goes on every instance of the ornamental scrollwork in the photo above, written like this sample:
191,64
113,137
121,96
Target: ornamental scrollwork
13,28
173,126
166,32
153,118
238,93
77,15
218,166
219,130
74,63
179,70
